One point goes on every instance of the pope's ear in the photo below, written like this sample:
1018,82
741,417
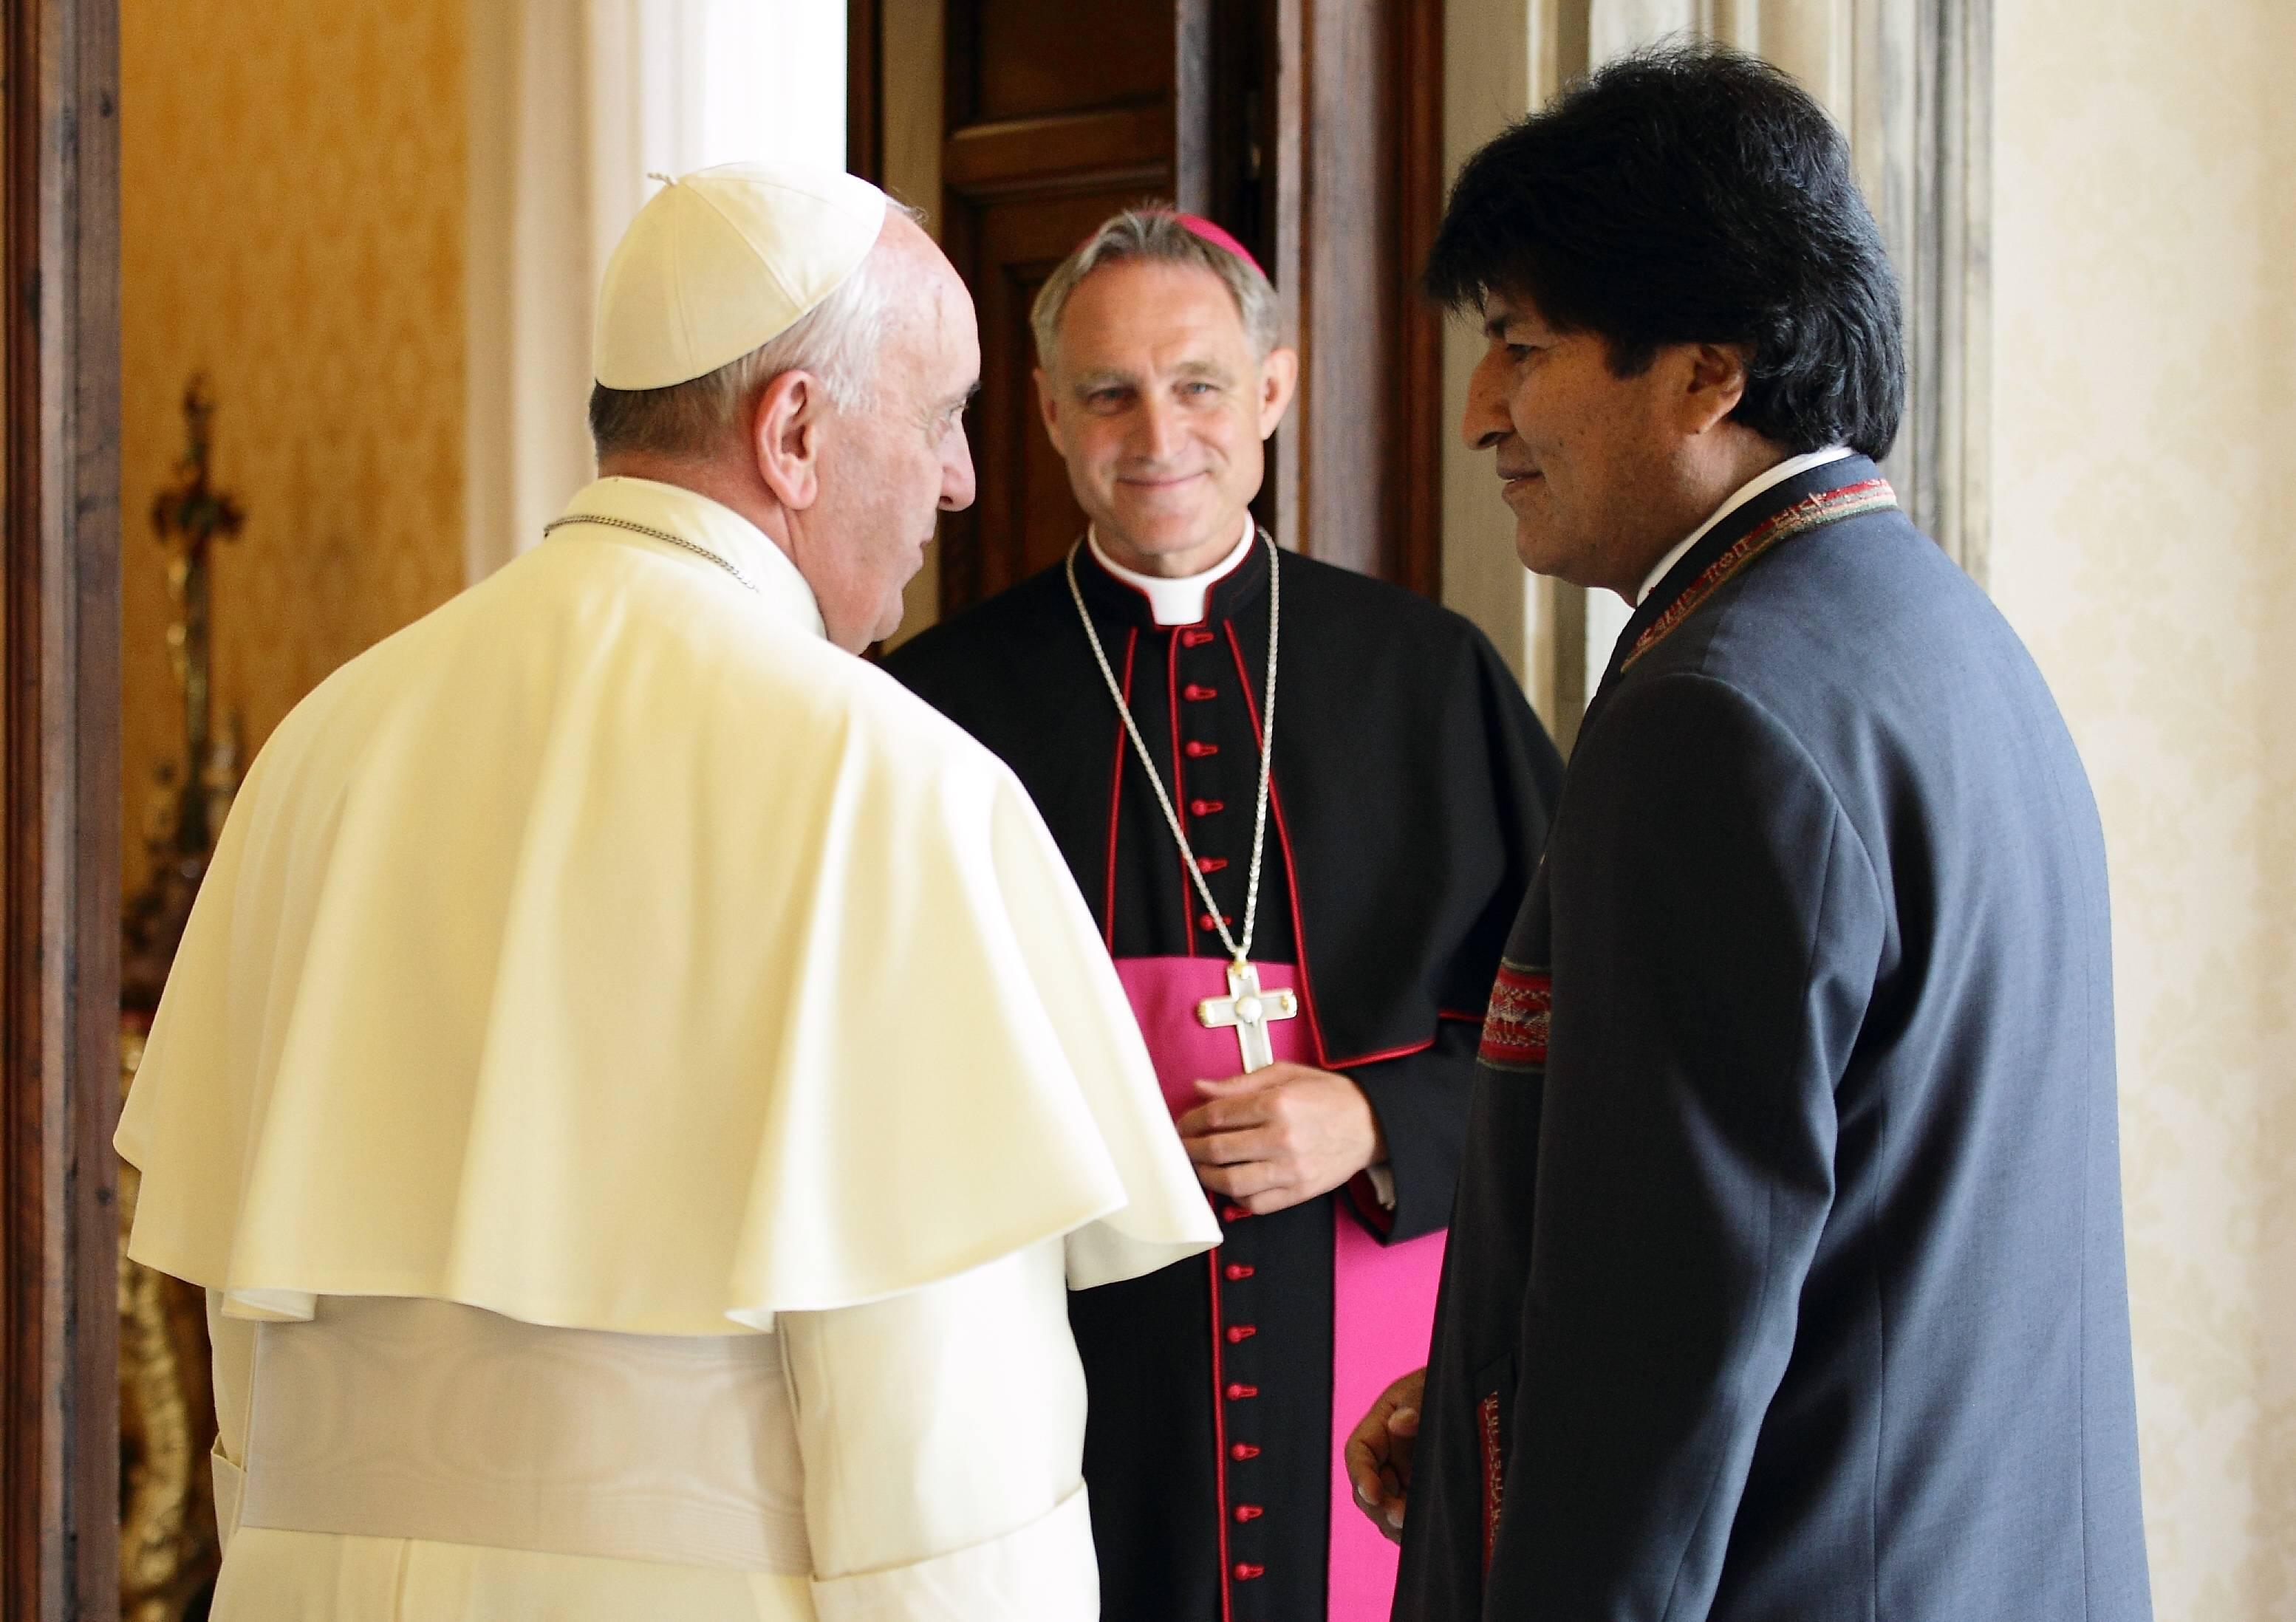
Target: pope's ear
1279,375
1049,406
785,437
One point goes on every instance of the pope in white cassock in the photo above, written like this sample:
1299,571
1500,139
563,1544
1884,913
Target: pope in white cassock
638,1084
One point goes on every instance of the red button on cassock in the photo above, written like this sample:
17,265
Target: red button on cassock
1244,1573
1194,639
1198,692
1206,807
1238,1391
1196,749
1249,1511
1237,1333
1204,921
1211,864
1243,1450
1234,1213
1238,1270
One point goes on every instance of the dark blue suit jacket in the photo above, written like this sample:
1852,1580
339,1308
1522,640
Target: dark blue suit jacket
1787,1277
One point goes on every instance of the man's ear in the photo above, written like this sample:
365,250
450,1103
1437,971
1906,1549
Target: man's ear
786,437
1279,375
1716,383
1049,406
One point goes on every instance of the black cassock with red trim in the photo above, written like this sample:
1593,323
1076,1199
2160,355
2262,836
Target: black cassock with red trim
1412,791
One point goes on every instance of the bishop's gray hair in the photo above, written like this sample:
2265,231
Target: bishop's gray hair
1154,233
838,340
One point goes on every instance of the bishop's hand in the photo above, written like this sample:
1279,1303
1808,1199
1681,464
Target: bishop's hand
1379,1452
1280,1136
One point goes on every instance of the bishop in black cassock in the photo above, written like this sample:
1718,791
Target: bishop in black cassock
1409,795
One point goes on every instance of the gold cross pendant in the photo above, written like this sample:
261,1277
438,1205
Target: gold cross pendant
1248,1009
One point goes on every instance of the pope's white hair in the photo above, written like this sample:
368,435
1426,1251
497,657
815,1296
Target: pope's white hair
838,342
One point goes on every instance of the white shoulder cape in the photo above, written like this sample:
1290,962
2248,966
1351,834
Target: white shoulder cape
608,950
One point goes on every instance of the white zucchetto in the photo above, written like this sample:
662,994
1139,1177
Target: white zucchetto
724,259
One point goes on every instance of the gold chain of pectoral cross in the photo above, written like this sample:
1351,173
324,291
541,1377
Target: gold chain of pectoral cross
695,548
1246,1007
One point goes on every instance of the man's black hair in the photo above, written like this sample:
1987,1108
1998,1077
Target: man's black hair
1689,193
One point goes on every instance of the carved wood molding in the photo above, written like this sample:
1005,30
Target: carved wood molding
59,815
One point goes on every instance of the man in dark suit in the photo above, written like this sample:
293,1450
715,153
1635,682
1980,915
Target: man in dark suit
1787,1277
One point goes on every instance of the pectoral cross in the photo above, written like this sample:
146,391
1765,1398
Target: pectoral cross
1248,1009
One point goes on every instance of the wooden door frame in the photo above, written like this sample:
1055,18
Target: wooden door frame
59,938
1358,192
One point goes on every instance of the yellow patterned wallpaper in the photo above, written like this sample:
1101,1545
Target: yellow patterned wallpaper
2144,542
291,222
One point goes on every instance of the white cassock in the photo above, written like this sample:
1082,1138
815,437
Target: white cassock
637,1088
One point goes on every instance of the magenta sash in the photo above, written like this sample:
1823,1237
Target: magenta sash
1382,1296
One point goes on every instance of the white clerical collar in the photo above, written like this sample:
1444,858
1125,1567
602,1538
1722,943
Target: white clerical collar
1179,601
1744,492
716,529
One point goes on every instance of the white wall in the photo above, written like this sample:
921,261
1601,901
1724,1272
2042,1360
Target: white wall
572,103
2144,448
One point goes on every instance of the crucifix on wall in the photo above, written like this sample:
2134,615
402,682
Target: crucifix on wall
189,517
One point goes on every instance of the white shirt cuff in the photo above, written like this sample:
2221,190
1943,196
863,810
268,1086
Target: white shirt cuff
1042,1572
1382,1184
